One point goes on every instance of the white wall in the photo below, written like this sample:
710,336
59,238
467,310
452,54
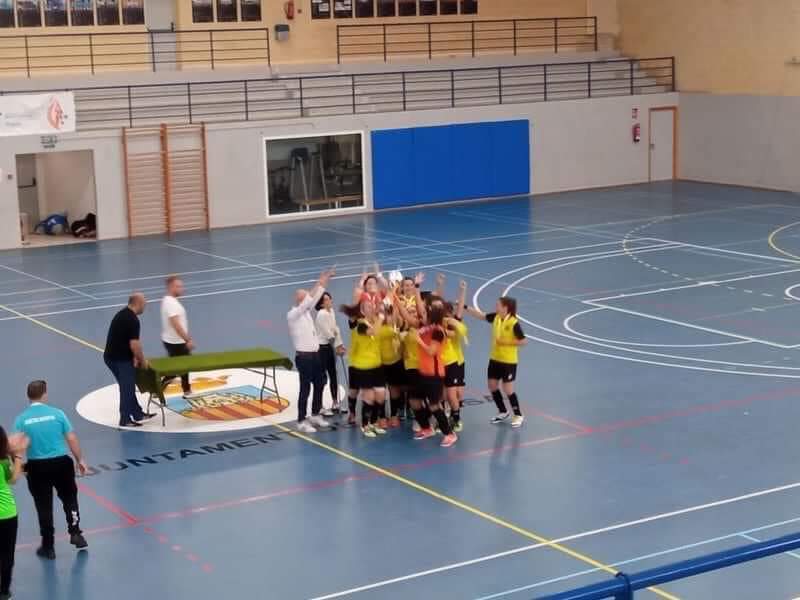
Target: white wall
574,144
743,140
66,184
109,175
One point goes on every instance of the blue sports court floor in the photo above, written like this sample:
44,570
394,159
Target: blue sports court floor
661,385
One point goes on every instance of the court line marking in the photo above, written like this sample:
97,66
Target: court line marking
644,315
327,257
365,238
569,538
35,321
568,327
597,256
643,557
752,539
695,285
737,252
337,277
225,258
541,541
53,283
774,245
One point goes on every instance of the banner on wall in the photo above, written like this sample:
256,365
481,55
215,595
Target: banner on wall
37,114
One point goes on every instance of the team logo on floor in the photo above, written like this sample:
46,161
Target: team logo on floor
214,399
221,401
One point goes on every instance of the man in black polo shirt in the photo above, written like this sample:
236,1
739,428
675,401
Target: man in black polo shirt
122,355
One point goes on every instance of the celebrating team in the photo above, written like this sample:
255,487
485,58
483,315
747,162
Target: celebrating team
412,343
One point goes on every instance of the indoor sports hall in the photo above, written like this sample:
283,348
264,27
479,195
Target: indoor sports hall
629,182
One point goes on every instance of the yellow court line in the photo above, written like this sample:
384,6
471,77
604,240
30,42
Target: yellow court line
545,542
69,336
389,474
778,249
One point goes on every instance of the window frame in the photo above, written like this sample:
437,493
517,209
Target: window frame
366,193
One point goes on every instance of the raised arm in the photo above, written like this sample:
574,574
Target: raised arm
460,303
475,313
439,291
312,297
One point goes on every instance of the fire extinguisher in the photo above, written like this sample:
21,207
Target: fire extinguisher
637,133
288,8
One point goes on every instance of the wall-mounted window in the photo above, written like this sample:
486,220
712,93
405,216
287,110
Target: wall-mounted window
386,8
29,13
365,8
345,9
225,11
107,12
448,7
77,13
132,12
202,11
407,8
55,13
427,7
314,173
320,9
342,9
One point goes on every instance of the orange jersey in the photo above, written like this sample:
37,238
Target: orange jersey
431,365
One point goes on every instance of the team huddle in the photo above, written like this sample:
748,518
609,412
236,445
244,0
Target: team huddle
407,351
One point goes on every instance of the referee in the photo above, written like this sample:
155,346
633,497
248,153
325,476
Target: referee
49,466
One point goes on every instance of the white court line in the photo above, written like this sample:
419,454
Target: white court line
225,258
645,315
568,327
637,559
752,539
47,281
737,252
563,540
305,281
410,237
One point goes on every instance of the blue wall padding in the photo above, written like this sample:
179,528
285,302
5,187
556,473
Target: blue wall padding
424,165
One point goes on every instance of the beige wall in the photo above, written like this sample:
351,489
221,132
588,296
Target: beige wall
721,46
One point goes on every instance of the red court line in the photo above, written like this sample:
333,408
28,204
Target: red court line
107,504
457,457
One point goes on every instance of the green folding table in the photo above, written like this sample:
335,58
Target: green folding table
154,380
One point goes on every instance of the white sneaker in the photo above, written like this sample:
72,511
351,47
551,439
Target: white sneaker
306,427
517,421
318,421
415,426
326,412
500,418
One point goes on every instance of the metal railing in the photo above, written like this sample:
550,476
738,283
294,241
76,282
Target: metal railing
465,38
624,586
144,50
326,95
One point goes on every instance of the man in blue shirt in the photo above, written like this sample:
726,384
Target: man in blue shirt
50,466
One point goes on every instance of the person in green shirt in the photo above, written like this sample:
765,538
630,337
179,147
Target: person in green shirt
11,450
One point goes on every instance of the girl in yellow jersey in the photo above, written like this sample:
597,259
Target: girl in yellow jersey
507,337
366,373
411,316
393,368
453,357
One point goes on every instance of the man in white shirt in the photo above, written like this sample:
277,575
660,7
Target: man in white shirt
306,345
175,327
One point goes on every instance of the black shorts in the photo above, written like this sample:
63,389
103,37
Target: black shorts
412,381
506,372
454,375
395,374
365,379
430,389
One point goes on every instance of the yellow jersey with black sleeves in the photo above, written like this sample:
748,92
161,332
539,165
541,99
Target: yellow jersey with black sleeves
389,339
365,350
453,352
505,329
